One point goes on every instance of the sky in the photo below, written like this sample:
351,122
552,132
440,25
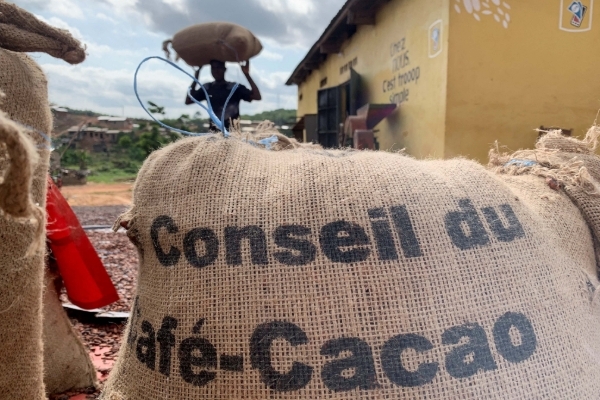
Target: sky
119,34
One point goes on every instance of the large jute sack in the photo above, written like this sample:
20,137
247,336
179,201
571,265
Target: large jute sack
21,250
22,240
67,364
23,32
328,274
568,164
198,44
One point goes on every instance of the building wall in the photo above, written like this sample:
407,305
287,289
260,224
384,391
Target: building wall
307,95
95,140
509,75
398,64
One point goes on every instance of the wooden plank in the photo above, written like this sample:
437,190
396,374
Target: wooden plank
361,17
332,46
310,65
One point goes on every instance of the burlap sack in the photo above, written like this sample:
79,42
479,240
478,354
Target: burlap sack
198,44
23,32
22,249
67,364
268,136
21,269
324,274
568,164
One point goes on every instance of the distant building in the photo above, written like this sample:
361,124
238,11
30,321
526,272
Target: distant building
99,139
120,123
59,112
447,78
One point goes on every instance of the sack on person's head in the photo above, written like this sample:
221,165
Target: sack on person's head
198,44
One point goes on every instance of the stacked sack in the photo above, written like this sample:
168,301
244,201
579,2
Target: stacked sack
565,163
303,273
26,124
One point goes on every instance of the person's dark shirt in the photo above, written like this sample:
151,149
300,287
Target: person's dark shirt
218,92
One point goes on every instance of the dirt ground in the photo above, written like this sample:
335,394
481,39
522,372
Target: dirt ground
98,194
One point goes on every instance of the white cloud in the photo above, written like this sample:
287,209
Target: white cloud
179,5
119,33
105,17
60,24
100,88
92,48
122,6
289,22
275,45
270,80
301,7
101,50
271,55
63,8
66,8
108,91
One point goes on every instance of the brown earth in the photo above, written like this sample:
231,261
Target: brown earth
98,194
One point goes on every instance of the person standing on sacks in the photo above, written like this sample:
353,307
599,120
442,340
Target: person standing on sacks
220,89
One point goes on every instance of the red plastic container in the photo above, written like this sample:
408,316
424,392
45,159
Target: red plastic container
87,283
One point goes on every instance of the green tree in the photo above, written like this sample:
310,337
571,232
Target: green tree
66,156
150,141
83,158
148,137
156,109
279,117
136,153
125,142
183,122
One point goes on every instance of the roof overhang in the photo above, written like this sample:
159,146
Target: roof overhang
340,29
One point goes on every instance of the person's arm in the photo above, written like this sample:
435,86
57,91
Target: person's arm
198,96
255,93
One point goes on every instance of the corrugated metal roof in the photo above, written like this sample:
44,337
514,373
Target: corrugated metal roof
112,119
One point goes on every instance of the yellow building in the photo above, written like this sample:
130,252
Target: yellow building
463,73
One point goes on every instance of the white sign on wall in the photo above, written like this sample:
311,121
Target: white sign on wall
435,38
576,15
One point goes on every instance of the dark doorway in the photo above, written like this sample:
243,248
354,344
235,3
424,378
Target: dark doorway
334,106
328,116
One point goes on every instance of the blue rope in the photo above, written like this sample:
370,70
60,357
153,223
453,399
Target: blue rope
42,134
267,142
520,163
219,123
